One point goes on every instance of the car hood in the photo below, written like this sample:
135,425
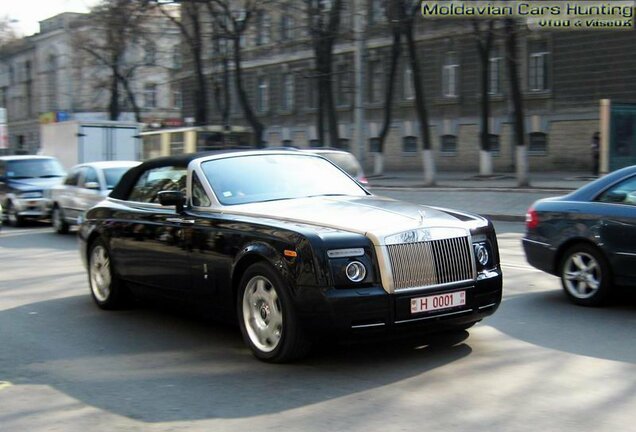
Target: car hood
373,216
29,184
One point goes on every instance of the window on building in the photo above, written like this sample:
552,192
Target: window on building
263,28
538,57
343,143
449,145
177,58
343,86
495,146
177,98
408,92
51,83
450,75
287,96
150,54
409,144
312,93
538,143
262,96
288,143
375,79
286,27
494,73
314,143
374,144
150,96
4,96
376,12
177,143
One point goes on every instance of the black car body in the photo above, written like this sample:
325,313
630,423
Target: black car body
24,182
292,246
587,238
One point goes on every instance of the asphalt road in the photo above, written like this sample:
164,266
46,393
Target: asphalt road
538,364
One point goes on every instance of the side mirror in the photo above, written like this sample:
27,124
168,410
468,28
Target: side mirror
616,197
92,185
172,198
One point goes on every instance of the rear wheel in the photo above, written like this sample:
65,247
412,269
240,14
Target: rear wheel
57,219
267,317
106,288
585,275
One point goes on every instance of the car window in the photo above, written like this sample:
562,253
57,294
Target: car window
72,177
113,175
199,197
621,193
34,168
90,175
156,180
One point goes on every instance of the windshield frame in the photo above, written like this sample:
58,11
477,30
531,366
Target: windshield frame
198,166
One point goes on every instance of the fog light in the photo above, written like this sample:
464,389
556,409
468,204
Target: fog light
356,271
481,253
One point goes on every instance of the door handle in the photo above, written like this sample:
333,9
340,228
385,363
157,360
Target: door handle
180,220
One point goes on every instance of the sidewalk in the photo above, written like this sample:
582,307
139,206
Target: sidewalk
496,197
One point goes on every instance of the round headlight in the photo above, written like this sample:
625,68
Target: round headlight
356,271
481,253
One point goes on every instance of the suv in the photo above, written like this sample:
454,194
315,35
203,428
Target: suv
24,180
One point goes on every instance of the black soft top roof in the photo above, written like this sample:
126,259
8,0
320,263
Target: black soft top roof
129,179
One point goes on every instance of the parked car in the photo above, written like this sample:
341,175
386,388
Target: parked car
84,186
587,238
24,180
289,246
345,160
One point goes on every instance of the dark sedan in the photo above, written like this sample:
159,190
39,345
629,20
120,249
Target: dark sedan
587,238
289,246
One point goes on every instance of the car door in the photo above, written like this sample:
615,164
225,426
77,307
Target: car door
89,191
149,247
64,195
617,205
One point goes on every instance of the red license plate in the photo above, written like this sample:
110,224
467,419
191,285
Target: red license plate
438,302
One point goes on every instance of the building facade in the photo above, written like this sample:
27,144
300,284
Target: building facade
46,78
564,74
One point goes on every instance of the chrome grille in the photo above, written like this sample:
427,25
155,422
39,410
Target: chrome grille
433,262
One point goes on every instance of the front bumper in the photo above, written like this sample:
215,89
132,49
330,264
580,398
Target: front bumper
354,313
32,207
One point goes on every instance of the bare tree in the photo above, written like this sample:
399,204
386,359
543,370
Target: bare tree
395,17
484,39
7,32
411,10
115,25
323,23
192,28
512,61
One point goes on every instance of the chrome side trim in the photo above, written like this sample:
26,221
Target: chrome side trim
461,312
535,242
626,254
368,325
487,306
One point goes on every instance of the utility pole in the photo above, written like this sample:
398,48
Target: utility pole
359,20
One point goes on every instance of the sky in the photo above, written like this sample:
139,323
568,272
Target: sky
28,13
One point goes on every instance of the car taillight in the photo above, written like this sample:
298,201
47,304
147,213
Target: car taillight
532,218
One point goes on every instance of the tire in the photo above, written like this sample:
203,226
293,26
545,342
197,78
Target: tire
57,220
13,218
107,290
267,318
585,275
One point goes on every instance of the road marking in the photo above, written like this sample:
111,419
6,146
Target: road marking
4,385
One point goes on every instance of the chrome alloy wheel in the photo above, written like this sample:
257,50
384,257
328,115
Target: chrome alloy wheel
100,277
582,275
262,314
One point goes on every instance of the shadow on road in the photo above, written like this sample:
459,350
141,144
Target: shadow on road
152,366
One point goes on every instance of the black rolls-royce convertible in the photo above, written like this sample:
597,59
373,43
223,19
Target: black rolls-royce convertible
291,247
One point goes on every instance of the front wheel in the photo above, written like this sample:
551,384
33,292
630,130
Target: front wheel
57,219
267,317
13,218
107,290
585,275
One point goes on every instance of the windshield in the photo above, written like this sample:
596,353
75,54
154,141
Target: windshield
34,168
256,178
346,161
112,176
